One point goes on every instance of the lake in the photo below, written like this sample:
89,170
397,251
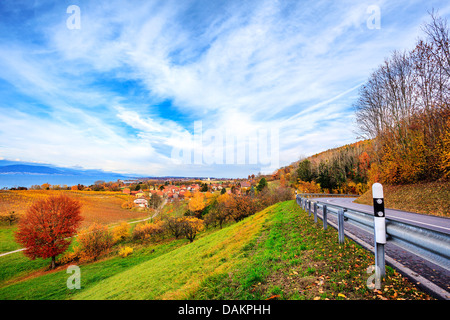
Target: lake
27,180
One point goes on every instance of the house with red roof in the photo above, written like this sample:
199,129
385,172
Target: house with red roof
245,184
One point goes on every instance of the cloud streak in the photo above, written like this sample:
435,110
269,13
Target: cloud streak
124,90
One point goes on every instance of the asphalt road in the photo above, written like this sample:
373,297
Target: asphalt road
435,274
440,224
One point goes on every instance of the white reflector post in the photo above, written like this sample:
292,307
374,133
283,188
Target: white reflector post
377,190
379,230
379,217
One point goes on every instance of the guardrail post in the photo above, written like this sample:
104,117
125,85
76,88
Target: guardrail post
315,212
309,208
341,236
379,229
324,210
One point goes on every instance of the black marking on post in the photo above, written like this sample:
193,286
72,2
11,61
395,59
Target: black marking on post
378,207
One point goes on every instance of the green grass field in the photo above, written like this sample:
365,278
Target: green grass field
278,253
7,242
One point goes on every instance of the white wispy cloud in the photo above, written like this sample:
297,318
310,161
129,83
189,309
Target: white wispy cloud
236,66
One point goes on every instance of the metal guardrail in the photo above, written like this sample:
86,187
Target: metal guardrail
315,195
426,243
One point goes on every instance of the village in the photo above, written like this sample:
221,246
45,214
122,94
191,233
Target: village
172,190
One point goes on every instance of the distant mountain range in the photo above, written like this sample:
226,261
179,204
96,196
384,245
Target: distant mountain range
26,169
18,173
15,167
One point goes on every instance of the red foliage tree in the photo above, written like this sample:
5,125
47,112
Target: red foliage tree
47,227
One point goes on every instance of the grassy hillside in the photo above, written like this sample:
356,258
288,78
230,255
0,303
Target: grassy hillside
425,197
178,274
170,271
278,253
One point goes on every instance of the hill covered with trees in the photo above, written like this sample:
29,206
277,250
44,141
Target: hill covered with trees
403,115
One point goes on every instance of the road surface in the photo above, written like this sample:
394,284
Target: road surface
440,224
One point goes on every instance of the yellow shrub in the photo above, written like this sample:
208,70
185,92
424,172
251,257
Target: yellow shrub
149,231
362,188
121,232
69,257
125,251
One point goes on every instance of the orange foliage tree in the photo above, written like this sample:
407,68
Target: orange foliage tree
94,241
47,227
308,187
149,230
197,203
240,207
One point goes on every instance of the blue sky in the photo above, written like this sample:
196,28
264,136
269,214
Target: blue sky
124,91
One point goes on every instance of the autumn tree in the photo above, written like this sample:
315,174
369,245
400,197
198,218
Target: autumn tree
220,213
404,107
304,171
240,207
94,241
45,186
155,201
204,187
282,180
197,204
191,226
174,226
46,229
210,218
445,152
